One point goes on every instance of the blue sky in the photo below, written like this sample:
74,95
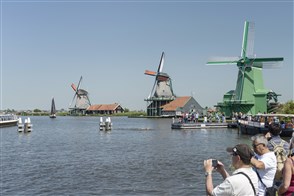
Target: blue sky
47,45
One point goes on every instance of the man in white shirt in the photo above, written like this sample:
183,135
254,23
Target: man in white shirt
264,161
244,180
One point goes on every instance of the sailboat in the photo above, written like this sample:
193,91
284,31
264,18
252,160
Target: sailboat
53,110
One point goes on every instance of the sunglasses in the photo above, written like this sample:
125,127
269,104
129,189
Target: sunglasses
234,153
255,145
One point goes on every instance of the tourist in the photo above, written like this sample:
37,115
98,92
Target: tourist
217,117
273,136
287,186
280,147
205,119
196,117
264,162
223,117
244,180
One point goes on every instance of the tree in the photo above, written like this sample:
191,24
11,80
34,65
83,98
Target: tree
287,108
37,110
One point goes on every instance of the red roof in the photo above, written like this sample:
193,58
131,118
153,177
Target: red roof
178,102
103,107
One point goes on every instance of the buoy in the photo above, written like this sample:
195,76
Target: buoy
107,125
20,125
28,126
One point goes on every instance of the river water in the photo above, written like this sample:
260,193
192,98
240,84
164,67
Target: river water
70,156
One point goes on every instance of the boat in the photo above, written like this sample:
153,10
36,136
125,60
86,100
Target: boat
53,110
208,125
7,120
259,125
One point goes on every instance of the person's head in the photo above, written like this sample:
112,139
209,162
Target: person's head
241,155
275,129
259,144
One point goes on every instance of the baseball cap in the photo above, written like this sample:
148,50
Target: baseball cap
243,150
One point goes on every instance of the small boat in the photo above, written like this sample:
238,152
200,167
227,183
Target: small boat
7,120
260,124
53,110
208,125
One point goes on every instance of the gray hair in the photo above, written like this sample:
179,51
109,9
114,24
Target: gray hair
260,138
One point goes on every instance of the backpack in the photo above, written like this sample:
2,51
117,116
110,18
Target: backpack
281,156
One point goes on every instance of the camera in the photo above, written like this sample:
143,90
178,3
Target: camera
214,163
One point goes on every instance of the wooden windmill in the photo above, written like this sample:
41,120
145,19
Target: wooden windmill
162,91
80,101
249,96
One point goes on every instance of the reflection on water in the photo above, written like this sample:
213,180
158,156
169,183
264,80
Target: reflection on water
70,156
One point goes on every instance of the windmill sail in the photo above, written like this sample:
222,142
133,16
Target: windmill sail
248,40
53,109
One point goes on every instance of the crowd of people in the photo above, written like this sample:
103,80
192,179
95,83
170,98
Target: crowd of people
286,122
266,168
193,117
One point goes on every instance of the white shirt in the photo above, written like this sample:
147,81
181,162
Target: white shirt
267,174
238,184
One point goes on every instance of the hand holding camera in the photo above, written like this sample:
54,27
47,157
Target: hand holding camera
214,163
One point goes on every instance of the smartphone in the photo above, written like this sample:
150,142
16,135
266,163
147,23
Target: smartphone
214,163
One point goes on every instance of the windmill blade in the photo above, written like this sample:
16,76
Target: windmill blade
73,86
150,73
268,62
80,82
160,67
152,89
248,40
73,99
223,61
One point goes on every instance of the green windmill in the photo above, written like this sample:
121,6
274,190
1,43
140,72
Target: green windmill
250,96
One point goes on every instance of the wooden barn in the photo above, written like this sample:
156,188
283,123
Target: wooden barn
105,109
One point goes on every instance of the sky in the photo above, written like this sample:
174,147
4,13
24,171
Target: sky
48,45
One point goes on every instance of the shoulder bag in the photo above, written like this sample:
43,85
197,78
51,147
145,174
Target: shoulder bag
269,191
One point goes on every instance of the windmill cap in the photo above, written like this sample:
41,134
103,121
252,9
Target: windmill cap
243,150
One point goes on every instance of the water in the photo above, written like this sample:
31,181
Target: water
70,156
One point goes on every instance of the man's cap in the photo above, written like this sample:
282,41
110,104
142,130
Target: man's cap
243,150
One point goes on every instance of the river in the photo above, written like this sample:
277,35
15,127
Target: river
140,156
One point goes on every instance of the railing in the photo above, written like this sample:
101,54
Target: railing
252,123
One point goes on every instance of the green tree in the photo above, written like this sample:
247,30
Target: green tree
288,107
37,110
